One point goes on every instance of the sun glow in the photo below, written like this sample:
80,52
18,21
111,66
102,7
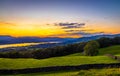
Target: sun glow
49,30
30,30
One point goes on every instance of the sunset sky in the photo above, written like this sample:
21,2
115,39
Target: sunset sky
59,18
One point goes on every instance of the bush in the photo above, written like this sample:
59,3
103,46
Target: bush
91,48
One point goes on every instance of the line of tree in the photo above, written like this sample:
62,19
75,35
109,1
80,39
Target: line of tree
105,42
45,52
58,50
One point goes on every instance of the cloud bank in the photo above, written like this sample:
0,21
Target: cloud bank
70,25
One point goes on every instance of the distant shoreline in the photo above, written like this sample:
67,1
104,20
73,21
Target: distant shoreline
23,44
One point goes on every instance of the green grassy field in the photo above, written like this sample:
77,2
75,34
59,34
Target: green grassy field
100,72
114,50
56,61
73,59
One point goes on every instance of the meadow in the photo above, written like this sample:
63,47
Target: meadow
69,60
56,61
73,59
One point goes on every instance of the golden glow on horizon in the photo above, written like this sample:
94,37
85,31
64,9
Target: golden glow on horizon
48,30
30,30
106,27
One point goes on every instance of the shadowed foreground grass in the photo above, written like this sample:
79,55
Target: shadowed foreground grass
91,72
100,72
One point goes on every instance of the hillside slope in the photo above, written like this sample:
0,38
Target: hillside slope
114,50
56,61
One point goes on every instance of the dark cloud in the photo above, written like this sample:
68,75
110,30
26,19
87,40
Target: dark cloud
78,30
79,34
86,34
70,30
87,30
70,25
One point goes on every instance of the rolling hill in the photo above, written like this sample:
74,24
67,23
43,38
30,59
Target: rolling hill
69,60
73,59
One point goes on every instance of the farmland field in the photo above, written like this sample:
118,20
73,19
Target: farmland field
56,61
69,60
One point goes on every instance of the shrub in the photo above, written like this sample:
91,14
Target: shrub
91,48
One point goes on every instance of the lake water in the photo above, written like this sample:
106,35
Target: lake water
23,44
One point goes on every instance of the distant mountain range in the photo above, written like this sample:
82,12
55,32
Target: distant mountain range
12,40
84,39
